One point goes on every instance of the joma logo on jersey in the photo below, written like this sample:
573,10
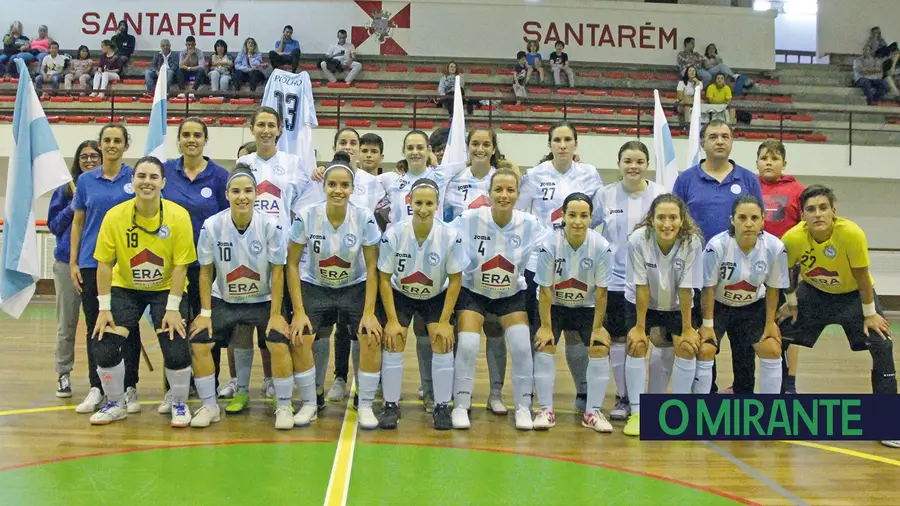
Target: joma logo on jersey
743,291
242,281
417,285
824,277
570,291
334,270
497,273
268,199
146,268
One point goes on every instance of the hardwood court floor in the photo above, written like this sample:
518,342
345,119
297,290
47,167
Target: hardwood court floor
50,455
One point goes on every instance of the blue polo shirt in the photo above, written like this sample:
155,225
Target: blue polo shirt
59,221
202,197
95,195
709,201
289,46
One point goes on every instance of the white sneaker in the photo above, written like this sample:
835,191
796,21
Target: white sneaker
307,414
205,416
108,414
891,444
284,418
544,420
268,388
338,391
595,420
523,418
496,405
166,406
228,390
94,400
367,418
181,415
459,417
132,405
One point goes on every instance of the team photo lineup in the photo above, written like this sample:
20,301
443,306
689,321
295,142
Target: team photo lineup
640,283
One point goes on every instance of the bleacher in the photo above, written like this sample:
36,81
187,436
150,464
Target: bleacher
795,102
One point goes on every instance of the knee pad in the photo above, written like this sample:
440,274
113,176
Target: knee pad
177,354
203,338
108,352
277,337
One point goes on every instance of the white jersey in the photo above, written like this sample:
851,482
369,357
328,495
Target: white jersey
466,191
367,190
334,257
397,188
544,189
497,256
574,275
421,272
279,184
664,274
291,95
620,212
739,278
242,259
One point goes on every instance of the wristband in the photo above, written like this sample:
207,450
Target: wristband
104,302
206,313
709,323
869,310
791,299
173,302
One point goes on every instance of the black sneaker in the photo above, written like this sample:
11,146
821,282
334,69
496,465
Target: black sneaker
441,416
390,416
356,401
320,400
63,386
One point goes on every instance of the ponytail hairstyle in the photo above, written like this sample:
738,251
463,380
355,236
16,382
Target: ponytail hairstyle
341,157
553,127
744,199
341,161
576,197
689,228
493,134
425,183
241,170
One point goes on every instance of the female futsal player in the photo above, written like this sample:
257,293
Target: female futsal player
143,250
95,194
744,270
544,188
619,207
664,269
499,240
573,270
420,262
245,250
339,276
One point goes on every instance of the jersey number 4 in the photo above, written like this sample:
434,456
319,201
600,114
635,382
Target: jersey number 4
287,104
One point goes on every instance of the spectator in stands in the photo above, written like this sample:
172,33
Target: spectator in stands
51,68
533,61
688,84
868,75
165,54
559,62
880,48
340,56
80,68
108,69
891,71
719,93
191,63
15,46
447,87
124,42
714,64
220,66
40,47
520,77
248,66
287,50
688,56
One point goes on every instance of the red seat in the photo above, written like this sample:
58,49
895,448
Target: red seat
123,100
145,100
781,100
88,100
308,66
672,95
141,63
371,67
634,131
588,74
242,101
389,123
771,116
358,123
362,103
396,67
541,128
505,72
573,110
424,86
107,119
137,120
614,75
628,112
134,82
6,119
543,108
338,84
800,117
212,100
174,121
755,135
606,130
480,124
513,107
331,103
644,94
481,70
622,93
316,84
76,119
396,86
178,100
815,138
514,127
666,77
768,81
328,122
390,104
483,88
640,76
366,86
421,124
52,119
425,69
789,137
595,93
582,129
602,111
236,120
567,91
209,120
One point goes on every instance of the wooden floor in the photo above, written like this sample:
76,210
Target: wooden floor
32,429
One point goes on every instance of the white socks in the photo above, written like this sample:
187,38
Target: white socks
635,379
113,381
597,381
518,338
392,375
770,376
577,359
284,389
442,377
306,385
544,379
683,376
703,377
464,370
368,385
661,362
243,365
206,389
179,384
617,364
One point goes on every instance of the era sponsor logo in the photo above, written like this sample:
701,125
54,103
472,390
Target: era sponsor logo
242,282
268,199
570,291
823,277
417,285
334,270
556,218
742,291
147,268
481,201
497,273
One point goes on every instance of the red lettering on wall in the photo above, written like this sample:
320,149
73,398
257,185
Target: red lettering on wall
186,23
664,37
606,37
532,29
646,36
165,26
577,37
91,26
626,32
160,24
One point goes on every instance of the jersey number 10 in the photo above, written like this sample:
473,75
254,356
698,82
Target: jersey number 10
287,104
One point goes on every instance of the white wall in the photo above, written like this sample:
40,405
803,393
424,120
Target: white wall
843,25
796,32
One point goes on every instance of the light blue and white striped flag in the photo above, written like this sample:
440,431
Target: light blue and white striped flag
663,147
695,151
35,168
156,134
457,151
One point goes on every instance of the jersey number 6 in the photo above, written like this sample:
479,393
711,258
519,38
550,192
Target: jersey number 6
287,103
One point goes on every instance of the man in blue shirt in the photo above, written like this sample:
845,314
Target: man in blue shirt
287,50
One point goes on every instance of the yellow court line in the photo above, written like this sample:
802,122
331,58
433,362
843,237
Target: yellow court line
339,482
845,451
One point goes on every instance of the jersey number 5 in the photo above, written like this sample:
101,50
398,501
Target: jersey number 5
287,104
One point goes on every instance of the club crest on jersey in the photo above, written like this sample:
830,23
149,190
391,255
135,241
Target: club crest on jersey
742,291
760,267
242,282
256,247
823,277
417,285
498,274
514,241
268,198
481,201
570,291
678,264
128,188
433,259
556,218
334,270
586,264
278,169
164,232
206,192
359,189
349,240
146,268
830,251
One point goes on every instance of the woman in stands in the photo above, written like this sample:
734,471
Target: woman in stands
96,193
664,269
68,302
744,270
544,189
245,250
339,275
499,241
108,68
573,271
420,262
619,207
143,251
248,66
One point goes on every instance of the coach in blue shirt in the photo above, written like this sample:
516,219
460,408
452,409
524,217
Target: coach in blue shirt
287,50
